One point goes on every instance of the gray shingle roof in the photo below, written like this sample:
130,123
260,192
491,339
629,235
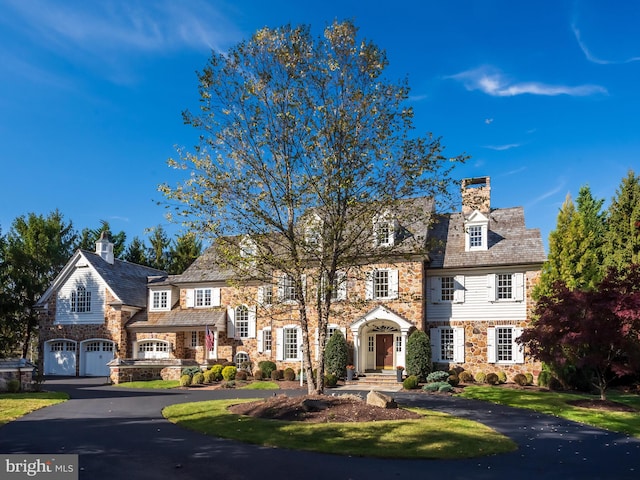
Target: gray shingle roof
127,280
206,268
178,318
509,241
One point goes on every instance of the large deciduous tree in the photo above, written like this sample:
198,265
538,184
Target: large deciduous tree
302,143
36,249
595,330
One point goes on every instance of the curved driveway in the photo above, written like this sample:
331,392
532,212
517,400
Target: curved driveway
121,434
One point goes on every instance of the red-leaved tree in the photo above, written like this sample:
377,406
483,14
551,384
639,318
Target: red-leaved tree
597,331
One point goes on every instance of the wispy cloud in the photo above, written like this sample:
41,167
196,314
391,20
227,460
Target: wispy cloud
548,194
131,25
591,57
501,148
493,82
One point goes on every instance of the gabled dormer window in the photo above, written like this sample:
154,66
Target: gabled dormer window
476,231
313,231
384,230
248,248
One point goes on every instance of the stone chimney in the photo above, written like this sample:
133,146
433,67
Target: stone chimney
104,247
476,195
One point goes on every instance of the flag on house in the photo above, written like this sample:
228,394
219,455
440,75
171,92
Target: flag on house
208,338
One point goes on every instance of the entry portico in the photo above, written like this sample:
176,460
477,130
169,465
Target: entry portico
380,339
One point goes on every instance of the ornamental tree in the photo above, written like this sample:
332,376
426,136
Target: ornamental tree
595,330
302,143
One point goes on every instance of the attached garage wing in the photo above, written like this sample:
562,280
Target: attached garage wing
96,354
60,358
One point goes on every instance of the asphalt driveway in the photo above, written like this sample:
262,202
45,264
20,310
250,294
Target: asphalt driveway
121,434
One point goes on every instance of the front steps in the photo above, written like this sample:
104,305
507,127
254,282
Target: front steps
378,380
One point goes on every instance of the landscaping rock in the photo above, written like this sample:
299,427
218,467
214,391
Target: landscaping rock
380,400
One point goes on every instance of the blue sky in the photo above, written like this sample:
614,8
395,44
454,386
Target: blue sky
543,95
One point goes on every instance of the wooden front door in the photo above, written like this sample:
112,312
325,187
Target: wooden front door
384,351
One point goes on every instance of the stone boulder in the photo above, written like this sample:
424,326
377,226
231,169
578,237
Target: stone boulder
379,399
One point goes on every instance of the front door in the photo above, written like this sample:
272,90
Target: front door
384,351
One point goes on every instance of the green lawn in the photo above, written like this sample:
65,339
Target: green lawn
262,385
15,405
555,403
435,436
155,384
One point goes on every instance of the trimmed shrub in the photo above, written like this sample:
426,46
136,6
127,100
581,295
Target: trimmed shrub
335,355
434,377
277,375
502,377
209,376
418,355
465,377
529,376
520,379
217,372
410,383
434,386
544,379
257,375
191,371
330,380
453,380
481,377
289,374
492,379
229,372
447,388
242,375
185,380
13,386
197,379
267,367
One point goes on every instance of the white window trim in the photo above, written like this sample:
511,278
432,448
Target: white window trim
384,220
232,332
517,287
393,284
458,344
280,343
458,292
157,353
260,340
152,293
516,348
477,219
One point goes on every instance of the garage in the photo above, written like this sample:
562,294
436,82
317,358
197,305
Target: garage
96,354
60,358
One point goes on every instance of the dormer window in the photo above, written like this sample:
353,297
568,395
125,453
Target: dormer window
160,300
384,231
248,248
476,232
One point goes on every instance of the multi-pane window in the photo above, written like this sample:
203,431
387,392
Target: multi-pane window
475,236
153,349
504,286
504,344
398,344
194,339
288,285
371,343
242,322
265,295
384,234
81,300
203,297
62,346
446,344
160,300
242,360
447,289
290,343
381,284
266,340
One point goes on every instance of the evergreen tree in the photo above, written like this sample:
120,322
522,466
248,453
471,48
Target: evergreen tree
418,355
336,353
158,253
183,252
590,230
136,252
622,239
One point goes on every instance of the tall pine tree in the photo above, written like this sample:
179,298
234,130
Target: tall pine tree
622,239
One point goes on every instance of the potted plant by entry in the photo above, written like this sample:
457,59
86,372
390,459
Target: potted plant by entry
350,372
399,371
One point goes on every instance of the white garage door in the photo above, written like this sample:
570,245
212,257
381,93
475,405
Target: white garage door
60,358
96,355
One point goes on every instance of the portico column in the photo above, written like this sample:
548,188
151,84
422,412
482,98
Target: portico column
356,351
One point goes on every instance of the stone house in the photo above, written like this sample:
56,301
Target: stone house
471,291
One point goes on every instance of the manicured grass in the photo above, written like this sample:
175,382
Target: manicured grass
436,435
261,386
555,403
15,405
155,384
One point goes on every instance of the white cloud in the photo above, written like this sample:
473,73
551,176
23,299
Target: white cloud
495,83
501,148
548,194
591,57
